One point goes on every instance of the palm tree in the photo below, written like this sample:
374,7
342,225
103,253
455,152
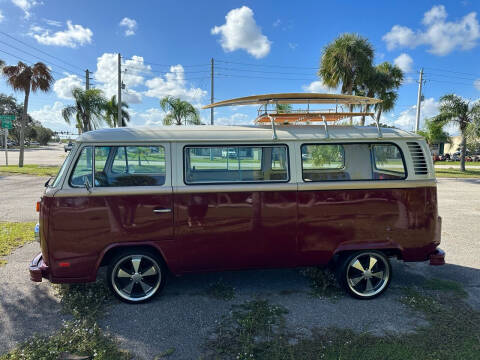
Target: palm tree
179,111
283,108
27,78
88,109
464,114
387,90
382,82
346,61
111,113
434,133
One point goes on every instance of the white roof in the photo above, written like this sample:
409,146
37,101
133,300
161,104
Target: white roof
205,133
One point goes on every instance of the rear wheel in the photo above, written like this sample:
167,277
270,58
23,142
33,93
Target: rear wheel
136,276
365,274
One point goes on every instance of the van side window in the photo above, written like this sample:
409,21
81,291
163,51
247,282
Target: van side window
324,162
235,164
352,161
387,162
129,166
83,168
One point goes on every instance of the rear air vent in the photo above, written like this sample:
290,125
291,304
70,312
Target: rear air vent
419,163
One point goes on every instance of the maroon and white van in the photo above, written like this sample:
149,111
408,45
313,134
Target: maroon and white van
147,201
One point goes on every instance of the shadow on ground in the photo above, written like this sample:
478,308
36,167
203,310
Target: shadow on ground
184,316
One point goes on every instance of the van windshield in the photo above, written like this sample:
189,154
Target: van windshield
62,170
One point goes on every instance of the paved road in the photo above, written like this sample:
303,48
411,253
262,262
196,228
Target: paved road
53,154
183,316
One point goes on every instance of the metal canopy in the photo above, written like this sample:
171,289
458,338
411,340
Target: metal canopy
297,98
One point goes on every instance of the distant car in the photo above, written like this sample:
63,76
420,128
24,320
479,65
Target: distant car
34,143
10,143
68,147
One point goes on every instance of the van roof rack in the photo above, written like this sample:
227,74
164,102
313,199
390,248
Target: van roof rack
307,116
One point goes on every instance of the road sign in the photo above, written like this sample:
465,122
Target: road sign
6,121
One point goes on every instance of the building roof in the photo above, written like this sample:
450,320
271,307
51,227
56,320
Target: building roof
206,133
296,98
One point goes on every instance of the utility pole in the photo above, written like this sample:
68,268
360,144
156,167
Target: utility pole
211,93
119,97
87,80
419,100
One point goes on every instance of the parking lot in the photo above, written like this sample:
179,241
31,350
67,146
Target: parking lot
184,316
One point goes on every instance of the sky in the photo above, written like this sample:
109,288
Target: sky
257,46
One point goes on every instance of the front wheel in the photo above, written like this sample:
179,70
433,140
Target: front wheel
136,276
365,274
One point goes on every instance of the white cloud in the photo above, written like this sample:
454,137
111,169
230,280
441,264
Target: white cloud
173,83
51,116
63,87
25,5
235,119
106,76
130,26
240,31
319,87
292,46
152,116
277,23
406,119
73,36
53,22
404,62
440,35
1,16
476,83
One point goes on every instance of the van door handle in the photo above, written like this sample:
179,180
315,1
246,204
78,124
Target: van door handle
160,211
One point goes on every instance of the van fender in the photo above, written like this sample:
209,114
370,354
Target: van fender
390,247
165,248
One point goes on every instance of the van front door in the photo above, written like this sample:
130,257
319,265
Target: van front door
129,201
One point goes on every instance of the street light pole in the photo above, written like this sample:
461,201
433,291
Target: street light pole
119,97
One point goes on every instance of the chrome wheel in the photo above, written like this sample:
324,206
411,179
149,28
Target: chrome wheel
136,278
367,274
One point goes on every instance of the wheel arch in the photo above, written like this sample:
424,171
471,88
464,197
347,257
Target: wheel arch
343,251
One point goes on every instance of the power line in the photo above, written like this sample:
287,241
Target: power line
263,77
43,52
269,65
37,57
262,71
451,71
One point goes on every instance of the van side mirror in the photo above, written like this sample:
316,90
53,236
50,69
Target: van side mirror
87,184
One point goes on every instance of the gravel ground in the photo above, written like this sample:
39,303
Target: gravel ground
183,317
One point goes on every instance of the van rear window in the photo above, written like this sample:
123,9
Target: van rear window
235,164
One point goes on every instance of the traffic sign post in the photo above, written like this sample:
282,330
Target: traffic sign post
7,123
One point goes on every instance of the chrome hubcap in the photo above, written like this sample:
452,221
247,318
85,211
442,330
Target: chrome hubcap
136,277
367,274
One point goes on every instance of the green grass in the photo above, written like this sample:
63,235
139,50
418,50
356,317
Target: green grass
457,163
30,170
456,173
220,290
80,337
14,235
322,282
257,330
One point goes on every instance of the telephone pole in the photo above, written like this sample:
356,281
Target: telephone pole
87,80
419,100
119,97
211,93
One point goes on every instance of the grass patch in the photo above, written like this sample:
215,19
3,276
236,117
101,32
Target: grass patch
220,290
445,285
256,330
456,173
322,282
457,163
79,337
14,235
30,170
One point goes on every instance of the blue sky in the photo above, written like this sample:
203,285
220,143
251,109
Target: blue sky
258,47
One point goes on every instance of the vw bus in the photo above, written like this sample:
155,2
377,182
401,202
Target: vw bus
146,202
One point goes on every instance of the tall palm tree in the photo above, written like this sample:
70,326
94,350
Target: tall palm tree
27,79
283,108
464,114
434,133
179,112
111,113
88,109
346,61
382,82
387,90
